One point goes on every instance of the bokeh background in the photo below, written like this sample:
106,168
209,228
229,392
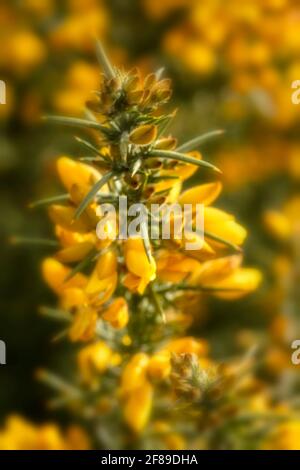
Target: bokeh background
232,65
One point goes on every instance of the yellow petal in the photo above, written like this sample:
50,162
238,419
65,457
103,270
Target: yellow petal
242,281
167,143
194,245
137,262
277,224
138,406
174,267
159,366
117,313
84,325
107,264
73,297
100,290
202,194
223,225
94,358
103,280
55,275
215,270
284,436
74,253
134,373
185,171
143,135
189,345
69,237
65,217
76,173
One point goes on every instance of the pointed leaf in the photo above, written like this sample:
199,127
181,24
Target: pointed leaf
223,241
87,145
82,265
194,143
77,122
33,241
168,154
104,61
56,314
92,193
49,200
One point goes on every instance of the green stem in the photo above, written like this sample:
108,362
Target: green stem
157,302
33,241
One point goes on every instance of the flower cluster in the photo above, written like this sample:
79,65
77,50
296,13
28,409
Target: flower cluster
129,300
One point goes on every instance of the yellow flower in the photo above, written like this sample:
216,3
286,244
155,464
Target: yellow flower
74,173
134,373
277,224
242,281
39,8
138,407
159,366
226,278
65,217
285,436
174,267
84,324
202,250
199,58
24,51
143,135
83,76
174,441
74,253
215,270
182,172
202,194
73,297
103,280
70,238
55,274
80,80
20,434
95,358
141,269
158,9
188,345
292,212
79,28
117,313
136,392
223,225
